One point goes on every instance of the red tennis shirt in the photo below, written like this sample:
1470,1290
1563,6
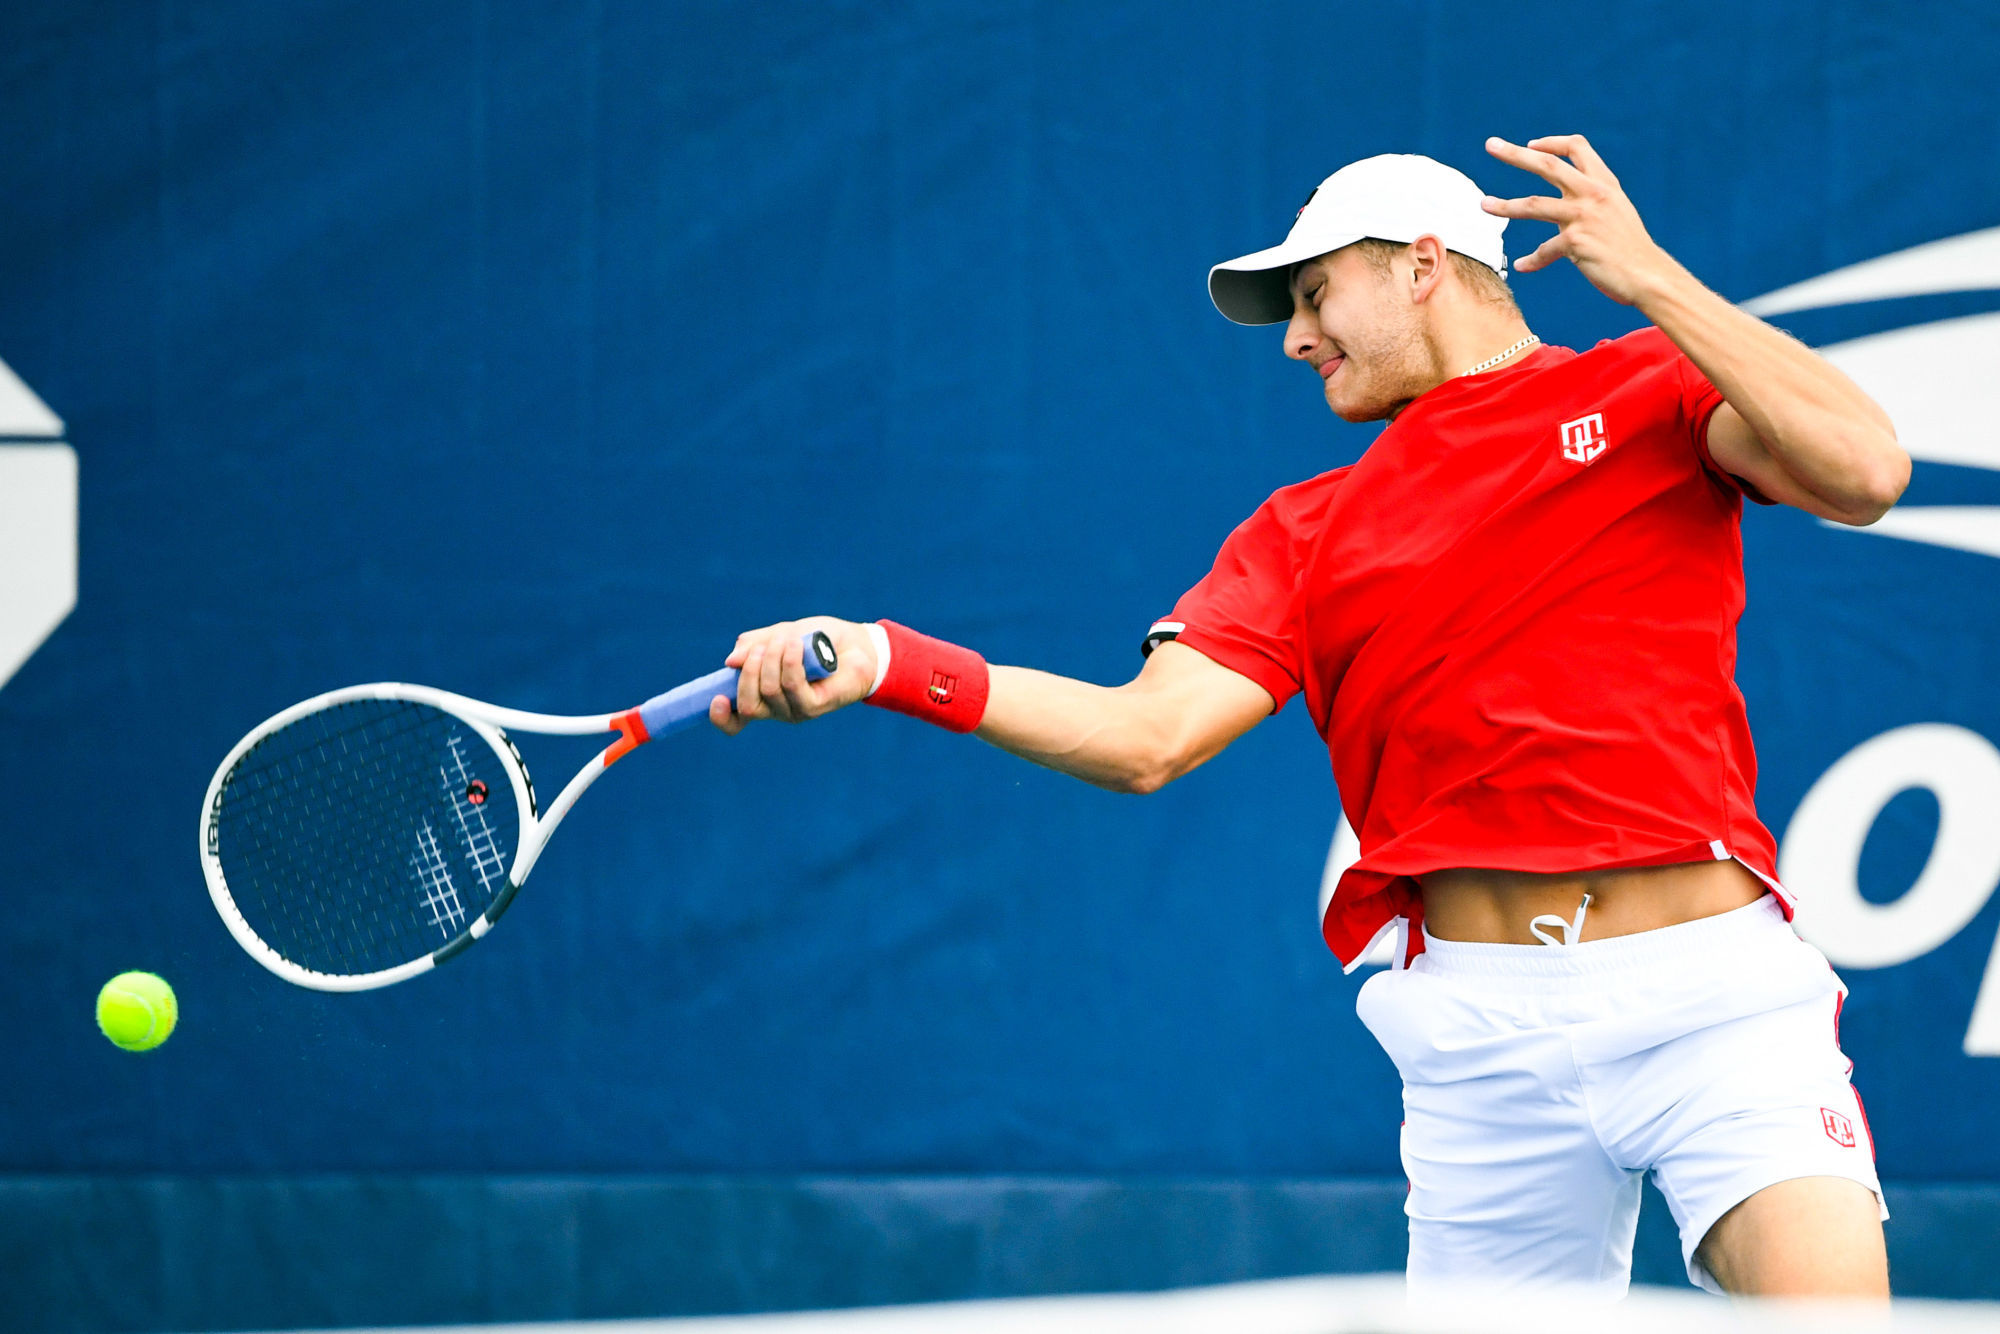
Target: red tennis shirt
1514,623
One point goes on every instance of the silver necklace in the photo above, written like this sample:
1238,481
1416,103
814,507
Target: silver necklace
1493,361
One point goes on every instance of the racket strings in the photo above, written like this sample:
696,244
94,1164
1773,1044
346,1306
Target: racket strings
366,835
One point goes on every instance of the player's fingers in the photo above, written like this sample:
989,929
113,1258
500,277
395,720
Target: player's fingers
725,718
770,674
1545,165
799,693
1547,253
1536,208
746,641
1578,150
749,697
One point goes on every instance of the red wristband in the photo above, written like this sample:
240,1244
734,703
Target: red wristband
929,679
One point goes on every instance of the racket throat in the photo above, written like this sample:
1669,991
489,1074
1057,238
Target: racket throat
632,734
480,924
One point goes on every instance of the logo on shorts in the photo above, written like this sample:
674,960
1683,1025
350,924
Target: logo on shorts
1583,439
942,688
1838,1128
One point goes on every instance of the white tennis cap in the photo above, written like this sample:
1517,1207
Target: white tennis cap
1393,197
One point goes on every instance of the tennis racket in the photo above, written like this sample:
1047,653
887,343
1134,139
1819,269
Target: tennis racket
367,835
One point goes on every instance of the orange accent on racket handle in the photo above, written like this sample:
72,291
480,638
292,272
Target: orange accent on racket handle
632,734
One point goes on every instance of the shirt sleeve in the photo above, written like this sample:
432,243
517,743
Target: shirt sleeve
1243,612
1699,400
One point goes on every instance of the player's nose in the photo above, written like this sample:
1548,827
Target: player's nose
1302,335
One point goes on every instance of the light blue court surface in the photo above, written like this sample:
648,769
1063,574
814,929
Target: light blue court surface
1324,1306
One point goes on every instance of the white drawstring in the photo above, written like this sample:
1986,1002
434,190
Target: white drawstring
1572,930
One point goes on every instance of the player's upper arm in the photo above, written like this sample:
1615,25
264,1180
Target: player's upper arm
1736,450
1196,707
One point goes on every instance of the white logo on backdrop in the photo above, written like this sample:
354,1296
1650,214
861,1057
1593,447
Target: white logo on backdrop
37,523
1938,382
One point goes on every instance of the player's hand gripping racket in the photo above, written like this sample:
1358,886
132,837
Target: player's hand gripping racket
368,834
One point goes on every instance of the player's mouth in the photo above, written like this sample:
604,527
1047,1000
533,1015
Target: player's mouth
1330,365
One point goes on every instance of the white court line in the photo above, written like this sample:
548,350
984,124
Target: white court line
1374,1304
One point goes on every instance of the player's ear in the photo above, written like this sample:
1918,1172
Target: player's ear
1423,267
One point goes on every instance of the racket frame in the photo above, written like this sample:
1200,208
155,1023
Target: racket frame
489,722
683,706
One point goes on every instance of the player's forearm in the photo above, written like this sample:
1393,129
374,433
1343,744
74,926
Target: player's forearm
1827,434
1104,735
1179,712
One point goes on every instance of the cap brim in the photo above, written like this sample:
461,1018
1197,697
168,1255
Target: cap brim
1257,288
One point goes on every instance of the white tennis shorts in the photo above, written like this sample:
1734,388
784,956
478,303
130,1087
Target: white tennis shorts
1540,1083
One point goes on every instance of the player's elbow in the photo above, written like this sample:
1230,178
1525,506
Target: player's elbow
1876,483
1133,772
1151,778
1168,758
1149,766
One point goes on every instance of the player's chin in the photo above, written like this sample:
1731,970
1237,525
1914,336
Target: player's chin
1350,407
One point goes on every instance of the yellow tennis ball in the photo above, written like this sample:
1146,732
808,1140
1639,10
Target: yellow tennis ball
137,1011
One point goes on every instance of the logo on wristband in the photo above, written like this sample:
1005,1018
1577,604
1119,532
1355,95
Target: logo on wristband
942,688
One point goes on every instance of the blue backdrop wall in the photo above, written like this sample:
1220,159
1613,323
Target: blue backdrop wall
534,350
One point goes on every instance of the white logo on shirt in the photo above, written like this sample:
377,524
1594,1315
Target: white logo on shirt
1583,439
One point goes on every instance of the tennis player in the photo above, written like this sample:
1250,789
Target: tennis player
1514,623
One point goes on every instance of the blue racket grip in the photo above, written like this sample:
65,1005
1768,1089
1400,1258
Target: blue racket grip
688,703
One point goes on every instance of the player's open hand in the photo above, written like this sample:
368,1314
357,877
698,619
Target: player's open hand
1599,229
773,683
